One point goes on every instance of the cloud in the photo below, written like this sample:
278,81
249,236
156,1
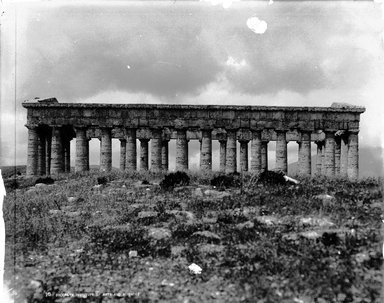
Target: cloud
177,50
79,52
236,64
226,4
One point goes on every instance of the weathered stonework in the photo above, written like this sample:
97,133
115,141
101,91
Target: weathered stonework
256,152
206,150
51,126
81,163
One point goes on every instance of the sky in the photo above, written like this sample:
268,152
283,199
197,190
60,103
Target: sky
183,52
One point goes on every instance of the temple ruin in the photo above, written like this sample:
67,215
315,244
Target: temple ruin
52,125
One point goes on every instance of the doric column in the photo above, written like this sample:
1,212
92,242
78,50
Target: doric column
67,155
156,150
323,170
131,156
81,161
344,156
164,155
305,154
281,152
106,150
256,152
244,155
319,156
206,150
329,156
87,157
32,151
223,154
337,155
353,155
264,155
123,153
41,151
231,155
48,143
57,162
144,154
181,150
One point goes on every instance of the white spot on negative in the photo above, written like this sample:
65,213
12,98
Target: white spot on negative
256,25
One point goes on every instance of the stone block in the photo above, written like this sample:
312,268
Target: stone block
279,115
245,123
217,114
229,115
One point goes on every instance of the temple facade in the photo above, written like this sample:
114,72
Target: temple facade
52,125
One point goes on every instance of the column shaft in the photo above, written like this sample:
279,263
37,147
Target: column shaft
206,150
231,154
48,145
329,156
41,150
344,156
106,150
353,156
223,154
131,156
156,150
144,154
281,152
305,154
32,151
256,152
87,153
67,155
123,153
319,157
164,155
264,155
337,155
323,170
81,161
244,155
181,150
57,162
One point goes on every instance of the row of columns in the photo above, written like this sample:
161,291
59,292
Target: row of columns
49,152
338,155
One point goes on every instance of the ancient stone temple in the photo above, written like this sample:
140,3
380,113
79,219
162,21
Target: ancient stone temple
52,125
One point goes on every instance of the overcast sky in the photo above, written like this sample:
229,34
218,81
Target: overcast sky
309,54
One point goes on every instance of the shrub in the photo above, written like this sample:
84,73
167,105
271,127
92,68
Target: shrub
11,184
272,177
46,180
102,180
225,181
172,180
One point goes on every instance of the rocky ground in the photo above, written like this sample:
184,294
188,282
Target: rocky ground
126,240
